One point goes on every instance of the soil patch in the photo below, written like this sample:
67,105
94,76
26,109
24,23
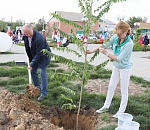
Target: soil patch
5,66
61,66
18,112
100,86
4,78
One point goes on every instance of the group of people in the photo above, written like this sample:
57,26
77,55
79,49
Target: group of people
144,40
56,37
15,35
121,56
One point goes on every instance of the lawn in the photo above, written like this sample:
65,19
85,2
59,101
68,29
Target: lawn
15,78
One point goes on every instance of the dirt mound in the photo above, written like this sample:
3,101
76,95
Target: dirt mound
18,112
32,91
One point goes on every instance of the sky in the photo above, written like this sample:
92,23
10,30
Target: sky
33,10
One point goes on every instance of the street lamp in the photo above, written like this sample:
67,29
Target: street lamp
84,19
120,18
43,22
136,25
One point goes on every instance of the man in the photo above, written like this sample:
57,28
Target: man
43,33
19,34
34,43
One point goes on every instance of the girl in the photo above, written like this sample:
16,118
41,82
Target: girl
122,66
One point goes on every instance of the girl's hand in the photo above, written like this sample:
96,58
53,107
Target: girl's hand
102,50
88,52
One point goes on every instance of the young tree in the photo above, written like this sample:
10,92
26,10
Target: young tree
89,18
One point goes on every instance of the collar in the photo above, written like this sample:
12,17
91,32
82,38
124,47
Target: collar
118,46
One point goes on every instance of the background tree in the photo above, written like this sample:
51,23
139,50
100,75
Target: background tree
18,22
134,19
40,25
3,25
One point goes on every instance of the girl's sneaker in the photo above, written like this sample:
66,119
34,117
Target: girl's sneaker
101,110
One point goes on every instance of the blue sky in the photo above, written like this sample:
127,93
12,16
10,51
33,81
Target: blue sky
32,10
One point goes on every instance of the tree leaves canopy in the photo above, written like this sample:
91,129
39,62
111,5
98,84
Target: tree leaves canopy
134,19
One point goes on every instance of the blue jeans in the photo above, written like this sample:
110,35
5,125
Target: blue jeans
44,79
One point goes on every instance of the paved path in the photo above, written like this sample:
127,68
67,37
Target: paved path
141,65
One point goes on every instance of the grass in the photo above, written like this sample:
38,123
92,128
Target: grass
138,105
111,127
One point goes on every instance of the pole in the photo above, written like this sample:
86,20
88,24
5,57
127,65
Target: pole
43,22
11,19
29,73
103,23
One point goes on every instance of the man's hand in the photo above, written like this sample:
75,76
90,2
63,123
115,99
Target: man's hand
30,68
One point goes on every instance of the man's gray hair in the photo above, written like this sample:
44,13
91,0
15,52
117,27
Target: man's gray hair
27,26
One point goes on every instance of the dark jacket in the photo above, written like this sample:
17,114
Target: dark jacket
36,57
146,40
18,32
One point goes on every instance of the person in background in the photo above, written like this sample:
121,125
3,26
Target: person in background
58,39
131,36
19,34
34,43
65,42
14,32
141,40
122,66
54,36
101,39
44,34
9,32
105,35
145,42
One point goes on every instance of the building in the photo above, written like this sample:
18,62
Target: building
145,28
106,25
72,16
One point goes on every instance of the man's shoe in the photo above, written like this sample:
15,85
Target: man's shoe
101,110
40,98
